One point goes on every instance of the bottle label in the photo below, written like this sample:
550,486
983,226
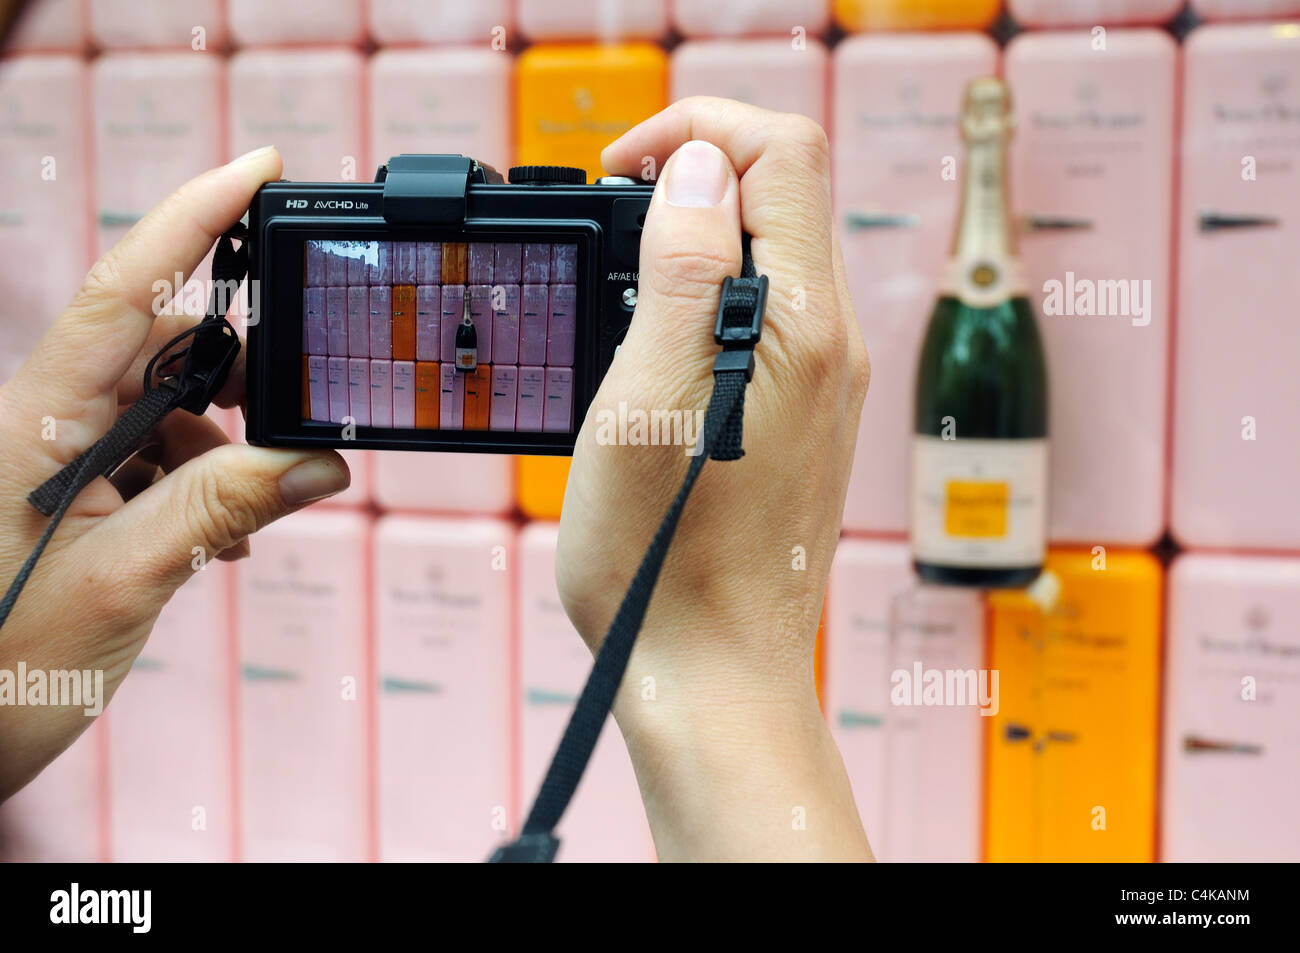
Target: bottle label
466,358
983,283
979,503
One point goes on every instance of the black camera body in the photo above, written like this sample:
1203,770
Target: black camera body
438,307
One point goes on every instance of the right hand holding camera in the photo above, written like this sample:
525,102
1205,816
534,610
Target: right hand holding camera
718,704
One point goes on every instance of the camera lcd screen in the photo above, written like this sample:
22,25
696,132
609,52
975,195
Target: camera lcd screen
440,336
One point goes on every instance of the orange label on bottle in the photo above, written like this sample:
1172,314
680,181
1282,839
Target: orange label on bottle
976,509
979,502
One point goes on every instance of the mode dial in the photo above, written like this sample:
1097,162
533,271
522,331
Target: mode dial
547,175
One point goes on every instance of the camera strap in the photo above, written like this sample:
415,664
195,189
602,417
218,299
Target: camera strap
187,378
738,328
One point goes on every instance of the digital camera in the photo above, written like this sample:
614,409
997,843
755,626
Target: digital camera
438,307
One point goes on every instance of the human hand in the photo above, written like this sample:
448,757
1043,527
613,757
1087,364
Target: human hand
111,565
729,637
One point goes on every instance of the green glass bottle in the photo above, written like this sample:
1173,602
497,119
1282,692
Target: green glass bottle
979,453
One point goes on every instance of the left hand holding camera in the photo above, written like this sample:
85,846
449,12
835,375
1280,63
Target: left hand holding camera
113,564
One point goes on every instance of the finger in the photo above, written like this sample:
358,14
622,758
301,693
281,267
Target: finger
689,244
96,339
183,436
207,506
783,161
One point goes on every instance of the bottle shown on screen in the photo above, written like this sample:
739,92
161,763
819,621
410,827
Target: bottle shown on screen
979,453
466,343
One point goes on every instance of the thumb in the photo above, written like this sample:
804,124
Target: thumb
158,539
690,242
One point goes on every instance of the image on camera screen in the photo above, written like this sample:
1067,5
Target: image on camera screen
440,335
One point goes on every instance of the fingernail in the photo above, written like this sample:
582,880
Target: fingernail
312,480
697,176
252,154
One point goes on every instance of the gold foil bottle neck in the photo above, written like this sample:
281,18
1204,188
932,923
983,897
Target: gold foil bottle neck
986,110
983,250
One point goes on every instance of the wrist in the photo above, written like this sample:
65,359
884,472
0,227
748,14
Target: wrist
709,697
742,779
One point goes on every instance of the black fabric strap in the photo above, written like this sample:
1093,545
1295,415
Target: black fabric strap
54,496
205,361
106,454
740,307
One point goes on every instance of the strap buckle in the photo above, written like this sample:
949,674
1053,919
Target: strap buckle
739,324
208,360
212,344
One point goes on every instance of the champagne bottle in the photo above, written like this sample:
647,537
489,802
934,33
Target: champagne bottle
466,341
979,452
